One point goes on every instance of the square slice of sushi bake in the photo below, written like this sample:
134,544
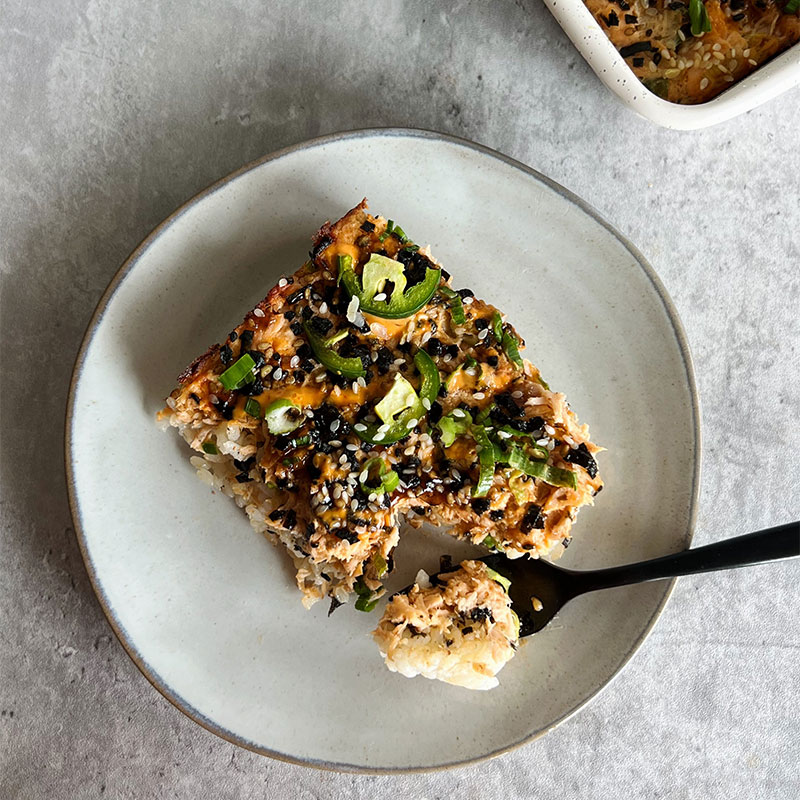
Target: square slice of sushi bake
364,389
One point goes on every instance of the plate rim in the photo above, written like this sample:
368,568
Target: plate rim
130,263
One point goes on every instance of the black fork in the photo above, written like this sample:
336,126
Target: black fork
540,590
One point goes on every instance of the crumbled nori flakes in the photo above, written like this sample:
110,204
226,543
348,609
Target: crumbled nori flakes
435,413
384,360
496,514
194,397
583,458
306,313
334,605
638,61
290,520
226,354
277,514
297,328
636,47
533,519
631,19
233,336
367,226
243,477
480,614
319,246
612,20
465,631
246,341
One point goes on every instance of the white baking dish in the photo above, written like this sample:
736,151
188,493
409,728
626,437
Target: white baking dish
780,74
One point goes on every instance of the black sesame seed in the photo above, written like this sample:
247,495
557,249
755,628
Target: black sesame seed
295,297
480,505
233,336
492,361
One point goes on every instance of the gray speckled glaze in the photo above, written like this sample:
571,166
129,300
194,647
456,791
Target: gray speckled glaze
113,115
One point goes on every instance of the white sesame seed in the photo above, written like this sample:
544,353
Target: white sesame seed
337,492
362,382
447,358
359,426
309,413
412,423
351,447
516,394
323,309
652,66
335,443
681,34
550,445
258,312
282,282
383,428
171,402
542,442
746,53
278,374
374,356
354,387
372,497
549,429
467,301
342,458
426,404
426,336
504,434
379,297
570,441
729,78
334,426
212,398
378,437
717,46
364,475
409,451
399,361
479,395
459,412
704,83
354,505
733,52
752,61
352,309
484,333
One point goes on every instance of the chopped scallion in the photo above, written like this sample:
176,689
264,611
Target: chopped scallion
253,407
239,373
210,448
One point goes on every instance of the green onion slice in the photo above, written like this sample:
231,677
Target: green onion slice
282,416
239,373
555,476
698,16
210,448
253,407
501,579
486,459
389,479
456,305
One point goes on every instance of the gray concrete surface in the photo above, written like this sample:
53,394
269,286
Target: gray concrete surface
112,114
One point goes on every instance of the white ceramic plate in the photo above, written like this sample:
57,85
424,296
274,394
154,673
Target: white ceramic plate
207,608
774,78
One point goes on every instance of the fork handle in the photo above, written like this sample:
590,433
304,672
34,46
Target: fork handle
782,541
